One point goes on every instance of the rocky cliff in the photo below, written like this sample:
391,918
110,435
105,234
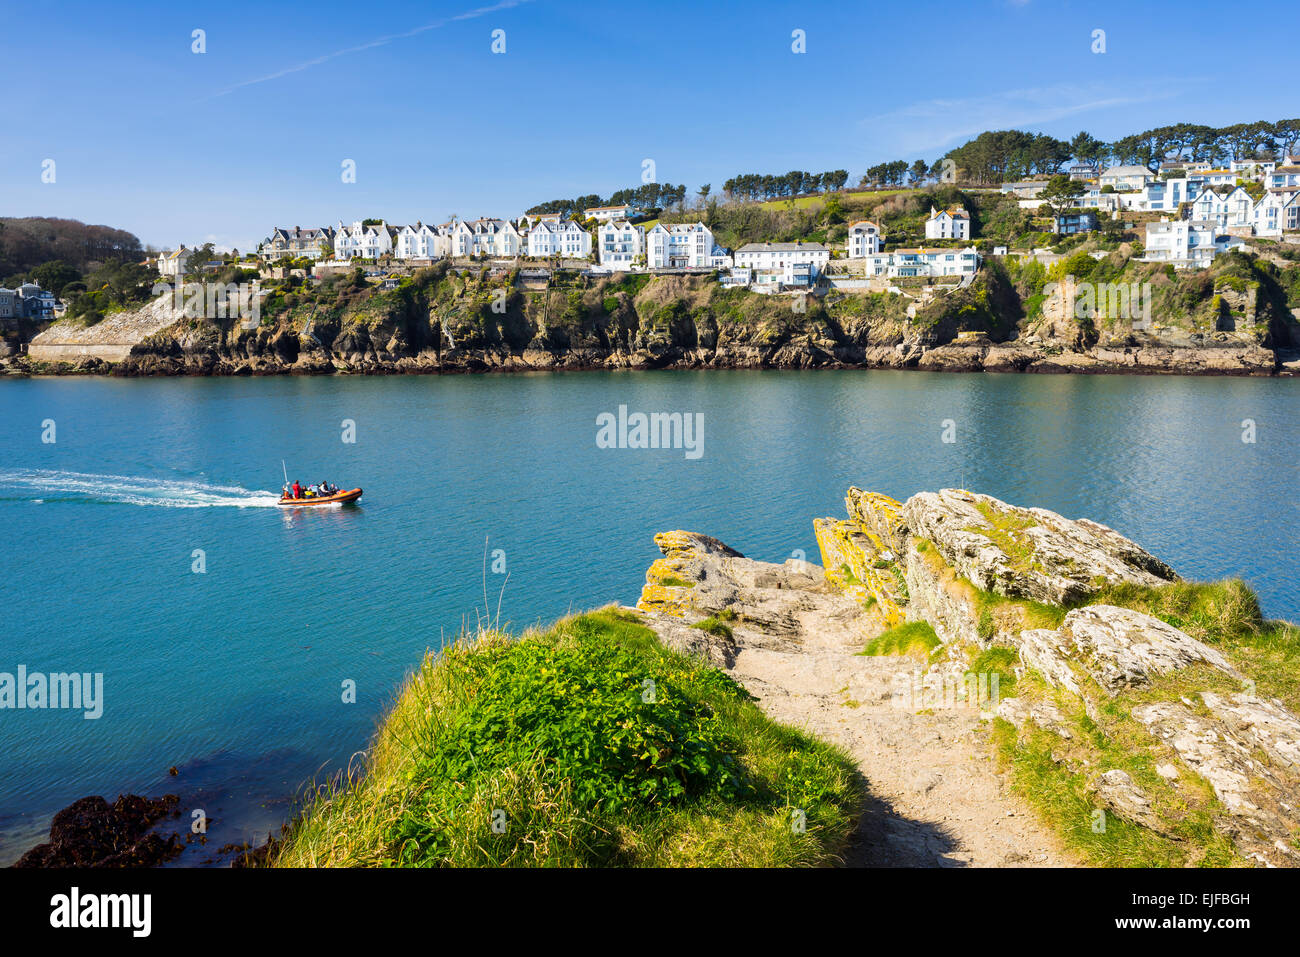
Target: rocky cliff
447,320
1146,719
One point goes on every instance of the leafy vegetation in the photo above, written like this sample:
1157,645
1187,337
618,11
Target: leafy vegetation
588,744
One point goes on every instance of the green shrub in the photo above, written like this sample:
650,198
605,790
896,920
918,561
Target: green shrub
588,744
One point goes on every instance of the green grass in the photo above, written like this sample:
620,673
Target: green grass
1226,615
672,581
1005,530
1052,774
1001,661
716,625
916,638
588,744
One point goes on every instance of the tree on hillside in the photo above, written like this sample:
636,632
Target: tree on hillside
1287,133
919,171
1061,194
1086,148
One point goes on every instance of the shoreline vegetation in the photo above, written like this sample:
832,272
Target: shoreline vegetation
588,743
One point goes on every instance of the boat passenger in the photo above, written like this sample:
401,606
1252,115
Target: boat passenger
297,489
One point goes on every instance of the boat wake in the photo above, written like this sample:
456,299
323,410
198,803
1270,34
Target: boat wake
42,486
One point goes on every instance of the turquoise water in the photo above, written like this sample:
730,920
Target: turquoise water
235,675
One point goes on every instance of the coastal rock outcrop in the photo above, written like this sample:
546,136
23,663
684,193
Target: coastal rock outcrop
986,575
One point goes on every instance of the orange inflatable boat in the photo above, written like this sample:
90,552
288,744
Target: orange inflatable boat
338,498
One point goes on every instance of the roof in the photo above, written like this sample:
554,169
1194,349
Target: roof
955,212
596,209
863,222
1127,171
922,251
782,248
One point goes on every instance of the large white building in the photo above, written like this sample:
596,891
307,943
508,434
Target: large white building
567,240
364,241
951,223
679,246
421,241
607,214
486,237
865,238
769,257
1278,210
924,262
1233,209
621,244
1126,177
1186,243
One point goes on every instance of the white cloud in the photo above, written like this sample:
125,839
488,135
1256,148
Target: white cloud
930,125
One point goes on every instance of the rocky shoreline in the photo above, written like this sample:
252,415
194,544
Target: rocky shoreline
1229,357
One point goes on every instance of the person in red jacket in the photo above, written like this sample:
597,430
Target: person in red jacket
297,489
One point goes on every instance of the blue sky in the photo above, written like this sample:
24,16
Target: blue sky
176,146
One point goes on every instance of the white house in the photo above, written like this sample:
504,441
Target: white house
1126,177
171,265
951,223
1186,243
681,245
296,241
865,238
360,240
486,237
1278,210
421,241
1234,209
924,262
620,244
607,214
1252,169
567,240
782,257
1283,177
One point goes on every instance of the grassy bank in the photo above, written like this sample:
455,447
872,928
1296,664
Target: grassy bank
1053,773
588,744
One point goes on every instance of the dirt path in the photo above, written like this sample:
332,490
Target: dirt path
935,797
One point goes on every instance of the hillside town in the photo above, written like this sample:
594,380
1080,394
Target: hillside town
1190,213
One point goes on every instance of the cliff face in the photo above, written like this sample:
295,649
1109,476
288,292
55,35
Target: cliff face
442,320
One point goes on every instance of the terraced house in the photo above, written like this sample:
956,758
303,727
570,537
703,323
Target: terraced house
680,246
362,240
620,244
421,241
486,237
567,240
295,242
